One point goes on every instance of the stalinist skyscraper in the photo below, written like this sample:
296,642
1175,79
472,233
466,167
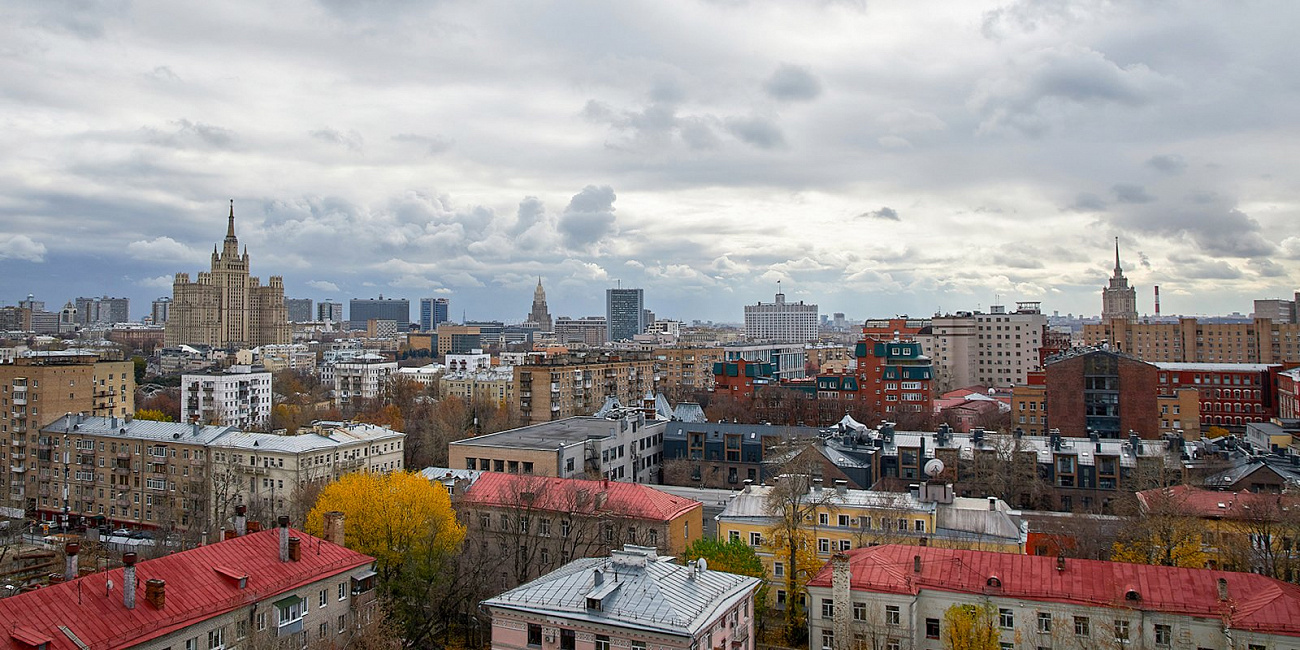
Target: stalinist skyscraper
540,314
225,307
1119,300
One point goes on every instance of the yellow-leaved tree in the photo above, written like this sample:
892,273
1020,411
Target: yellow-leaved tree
391,517
1165,532
971,627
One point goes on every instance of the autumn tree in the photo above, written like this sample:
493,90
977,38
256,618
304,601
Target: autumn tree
791,504
1164,533
154,415
971,627
407,524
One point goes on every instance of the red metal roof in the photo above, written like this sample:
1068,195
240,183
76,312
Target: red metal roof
1198,502
634,500
195,591
1254,602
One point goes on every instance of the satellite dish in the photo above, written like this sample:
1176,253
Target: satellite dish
933,467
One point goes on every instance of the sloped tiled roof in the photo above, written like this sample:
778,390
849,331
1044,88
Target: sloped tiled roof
194,592
652,592
1198,502
633,500
1255,603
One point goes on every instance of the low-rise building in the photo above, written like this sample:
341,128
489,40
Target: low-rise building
897,596
1230,394
542,522
495,384
839,519
632,599
277,586
723,454
624,446
240,397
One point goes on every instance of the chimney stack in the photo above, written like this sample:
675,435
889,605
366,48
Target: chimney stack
916,564
70,551
155,592
334,527
841,577
1060,563
841,486
284,538
295,549
128,580
241,520
1223,588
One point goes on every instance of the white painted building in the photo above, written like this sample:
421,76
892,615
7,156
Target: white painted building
363,376
238,398
475,360
781,321
997,349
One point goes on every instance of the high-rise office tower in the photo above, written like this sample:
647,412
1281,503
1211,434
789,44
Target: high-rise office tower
329,311
433,312
624,313
161,310
103,311
540,314
226,307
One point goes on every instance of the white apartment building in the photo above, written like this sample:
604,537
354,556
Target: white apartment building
363,376
238,398
997,349
475,360
264,471
896,596
781,321
296,357
787,359
426,375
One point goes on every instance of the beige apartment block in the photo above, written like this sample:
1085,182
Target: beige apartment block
1192,341
566,385
687,368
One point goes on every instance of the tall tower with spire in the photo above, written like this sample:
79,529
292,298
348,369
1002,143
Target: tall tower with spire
226,307
1118,300
540,314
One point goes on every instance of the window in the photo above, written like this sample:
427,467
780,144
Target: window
322,597
1164,635
733,536
828,640
828,608
859,611
565,527
241,629
1121,631
891,615
343,623
823,545
343,590
534,635
261,621
217,639
778,569
931,628
192,644
567,639
544,527
323,630
823,519
1006,618
638,645
1044,622
755,539
602,642
846,544
844,521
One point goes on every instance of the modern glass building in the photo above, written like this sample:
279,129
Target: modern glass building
624,313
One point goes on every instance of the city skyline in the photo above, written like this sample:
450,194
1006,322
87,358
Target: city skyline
972,154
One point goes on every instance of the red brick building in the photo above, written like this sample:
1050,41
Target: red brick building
1288,398
1103,392
1231,394
739,378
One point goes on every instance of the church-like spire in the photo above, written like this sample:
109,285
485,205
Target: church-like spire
1118,270
230,229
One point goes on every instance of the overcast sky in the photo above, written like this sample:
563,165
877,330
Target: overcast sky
878,158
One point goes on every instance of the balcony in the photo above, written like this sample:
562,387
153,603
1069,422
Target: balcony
122,455
122,471
18,456
17,482
253,469
20,429
122,503
17,469
20,398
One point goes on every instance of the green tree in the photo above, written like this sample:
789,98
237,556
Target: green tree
790,504
140,366
734,556
971,627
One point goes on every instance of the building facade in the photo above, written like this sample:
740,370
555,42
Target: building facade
689,369
781,321
623,447
361,377
362,310
996,349
566,385
897,596
539,314
1194,341
625,315
238,398
591,331
103,311
226,307
433,312
298,309
160,310
1230,394
330,312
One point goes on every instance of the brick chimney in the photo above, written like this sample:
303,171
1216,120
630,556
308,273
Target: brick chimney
284,538
155,592
842,599
295,549
241,520
334,527
128,580
70,551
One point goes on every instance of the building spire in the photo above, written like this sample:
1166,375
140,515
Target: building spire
1118,271
230,229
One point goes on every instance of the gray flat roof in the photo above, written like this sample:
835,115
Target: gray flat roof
549,435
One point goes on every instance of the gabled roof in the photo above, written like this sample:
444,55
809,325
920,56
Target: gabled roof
648,592
1255,603
634,500
195,591
1198,502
